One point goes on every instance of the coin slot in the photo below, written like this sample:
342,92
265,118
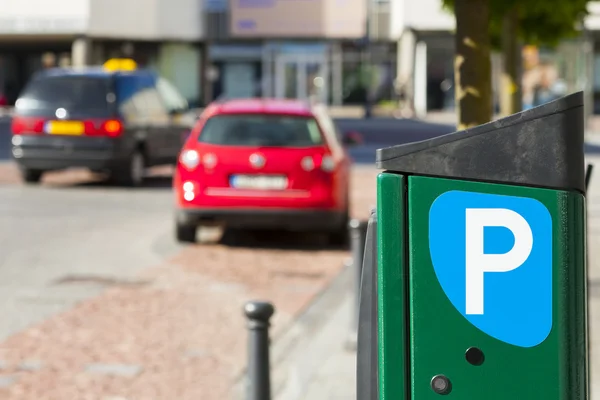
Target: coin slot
474,356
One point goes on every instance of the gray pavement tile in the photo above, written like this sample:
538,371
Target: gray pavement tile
7,380
115,369
31,365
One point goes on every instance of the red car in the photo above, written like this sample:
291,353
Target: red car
264,163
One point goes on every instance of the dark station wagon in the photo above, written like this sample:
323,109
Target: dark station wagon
115,119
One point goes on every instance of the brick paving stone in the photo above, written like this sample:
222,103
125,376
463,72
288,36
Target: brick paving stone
185,331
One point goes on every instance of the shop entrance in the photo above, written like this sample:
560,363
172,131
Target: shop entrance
302,76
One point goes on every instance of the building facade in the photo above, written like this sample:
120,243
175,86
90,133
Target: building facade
166,34
309,49
342,52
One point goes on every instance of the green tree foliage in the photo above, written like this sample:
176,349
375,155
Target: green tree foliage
541,22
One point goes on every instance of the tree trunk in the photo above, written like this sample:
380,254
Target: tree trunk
511,94
472,63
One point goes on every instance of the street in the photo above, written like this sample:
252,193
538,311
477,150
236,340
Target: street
172,314
98,300
115,286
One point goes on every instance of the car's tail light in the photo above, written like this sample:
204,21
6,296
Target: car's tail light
110,128
325,163
27,126
189,191
307,163
190,159
328,164
209,160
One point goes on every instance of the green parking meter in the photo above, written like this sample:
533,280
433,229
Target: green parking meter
481,279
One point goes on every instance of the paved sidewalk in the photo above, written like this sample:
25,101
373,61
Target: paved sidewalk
319,367
311,361
335,378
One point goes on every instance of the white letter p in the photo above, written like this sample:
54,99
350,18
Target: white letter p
478,263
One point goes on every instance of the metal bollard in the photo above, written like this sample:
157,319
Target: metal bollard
358,232
259,378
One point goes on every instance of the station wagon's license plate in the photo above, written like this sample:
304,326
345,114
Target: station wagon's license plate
73,128
261,182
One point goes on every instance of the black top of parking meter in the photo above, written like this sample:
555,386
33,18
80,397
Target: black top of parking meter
540,147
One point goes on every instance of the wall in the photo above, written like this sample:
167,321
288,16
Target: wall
146,19
592,21
345,18
180,19
124,19
424,15
43,16
295,19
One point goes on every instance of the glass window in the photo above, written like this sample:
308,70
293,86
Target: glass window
76,94
147,99
261,130
354,82
130,99
172,99
153,104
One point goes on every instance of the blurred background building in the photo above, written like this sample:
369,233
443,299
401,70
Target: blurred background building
341,52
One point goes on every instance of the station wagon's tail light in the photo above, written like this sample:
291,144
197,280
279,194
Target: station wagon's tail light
27,126
190,159
328,164
307,163
110,128
325,163
189,190
209,160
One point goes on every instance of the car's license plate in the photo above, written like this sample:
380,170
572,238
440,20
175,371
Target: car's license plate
261,182
64,128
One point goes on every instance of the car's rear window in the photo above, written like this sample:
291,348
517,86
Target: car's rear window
261,130
78,95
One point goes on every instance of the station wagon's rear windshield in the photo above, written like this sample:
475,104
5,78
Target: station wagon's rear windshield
80,96
261,130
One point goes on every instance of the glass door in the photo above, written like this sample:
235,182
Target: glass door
301,77
317,76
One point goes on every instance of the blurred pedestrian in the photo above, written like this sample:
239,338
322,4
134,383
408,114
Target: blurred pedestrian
48,60
405,102
544,91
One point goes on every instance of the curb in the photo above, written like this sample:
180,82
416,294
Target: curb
288,347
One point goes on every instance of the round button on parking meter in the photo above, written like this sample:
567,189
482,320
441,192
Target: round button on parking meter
441,384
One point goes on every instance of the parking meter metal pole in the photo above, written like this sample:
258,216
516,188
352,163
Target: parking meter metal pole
357,243
482,261
259,379
367,353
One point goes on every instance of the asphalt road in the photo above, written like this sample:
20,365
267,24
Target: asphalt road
61,244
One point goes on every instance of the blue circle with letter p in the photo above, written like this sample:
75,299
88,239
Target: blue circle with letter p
492,255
